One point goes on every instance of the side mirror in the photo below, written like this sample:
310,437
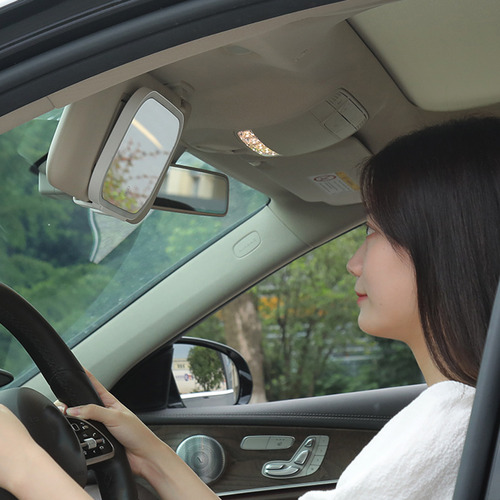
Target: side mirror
191,373
207,373
193,191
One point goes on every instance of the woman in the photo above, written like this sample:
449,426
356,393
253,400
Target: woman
426,275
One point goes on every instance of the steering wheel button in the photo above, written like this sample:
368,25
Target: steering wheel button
91,443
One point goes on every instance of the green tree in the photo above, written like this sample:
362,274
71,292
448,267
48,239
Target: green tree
310,320
391,364
306,316
206,367
243,332
312,341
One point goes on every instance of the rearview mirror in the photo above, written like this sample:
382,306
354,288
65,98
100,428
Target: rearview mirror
195,191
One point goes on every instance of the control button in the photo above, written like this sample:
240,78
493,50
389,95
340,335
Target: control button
254,443
286,471
275,466
302,457
321,450
312,469
89,443
280,442
95,447
310,443
306,460
267,442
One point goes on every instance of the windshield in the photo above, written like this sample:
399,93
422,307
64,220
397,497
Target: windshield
79,268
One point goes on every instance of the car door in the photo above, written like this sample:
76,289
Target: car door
274,450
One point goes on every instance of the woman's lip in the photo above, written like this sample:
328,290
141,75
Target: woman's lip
361,297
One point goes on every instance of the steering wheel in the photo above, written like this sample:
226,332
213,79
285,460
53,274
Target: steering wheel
70,384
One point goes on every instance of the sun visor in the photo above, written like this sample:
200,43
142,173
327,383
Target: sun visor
111,150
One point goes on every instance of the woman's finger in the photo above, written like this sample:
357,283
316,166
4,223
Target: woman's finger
94,412
61,406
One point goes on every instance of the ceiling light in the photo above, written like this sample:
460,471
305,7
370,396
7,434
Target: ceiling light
255,144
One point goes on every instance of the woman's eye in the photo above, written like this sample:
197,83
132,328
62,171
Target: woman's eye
369,230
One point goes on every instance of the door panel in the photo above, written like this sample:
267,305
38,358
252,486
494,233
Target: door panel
349,421
243,467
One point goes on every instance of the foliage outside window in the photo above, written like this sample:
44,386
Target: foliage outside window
206,367
303,336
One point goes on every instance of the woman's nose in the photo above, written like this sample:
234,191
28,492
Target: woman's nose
355,263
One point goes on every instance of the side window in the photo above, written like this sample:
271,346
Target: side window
298,331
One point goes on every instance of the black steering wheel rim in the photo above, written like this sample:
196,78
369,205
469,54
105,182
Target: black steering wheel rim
69,382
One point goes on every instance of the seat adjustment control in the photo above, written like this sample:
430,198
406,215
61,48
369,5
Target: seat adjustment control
267,442
305,461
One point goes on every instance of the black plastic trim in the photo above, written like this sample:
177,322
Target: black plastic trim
60,62
145,387
478,476
367,410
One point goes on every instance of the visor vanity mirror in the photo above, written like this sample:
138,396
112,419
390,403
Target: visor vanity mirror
111,151
134,160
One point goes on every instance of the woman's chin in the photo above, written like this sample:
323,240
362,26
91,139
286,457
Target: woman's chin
371,328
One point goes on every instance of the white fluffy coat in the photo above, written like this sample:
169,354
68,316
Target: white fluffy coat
417,453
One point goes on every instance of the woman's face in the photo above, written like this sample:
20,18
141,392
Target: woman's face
386,289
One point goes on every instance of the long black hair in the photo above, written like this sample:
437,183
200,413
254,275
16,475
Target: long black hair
436,195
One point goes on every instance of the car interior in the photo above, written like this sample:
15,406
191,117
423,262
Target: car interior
277,103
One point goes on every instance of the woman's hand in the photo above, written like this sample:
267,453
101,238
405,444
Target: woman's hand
140,443
26,470
17,448
149,457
